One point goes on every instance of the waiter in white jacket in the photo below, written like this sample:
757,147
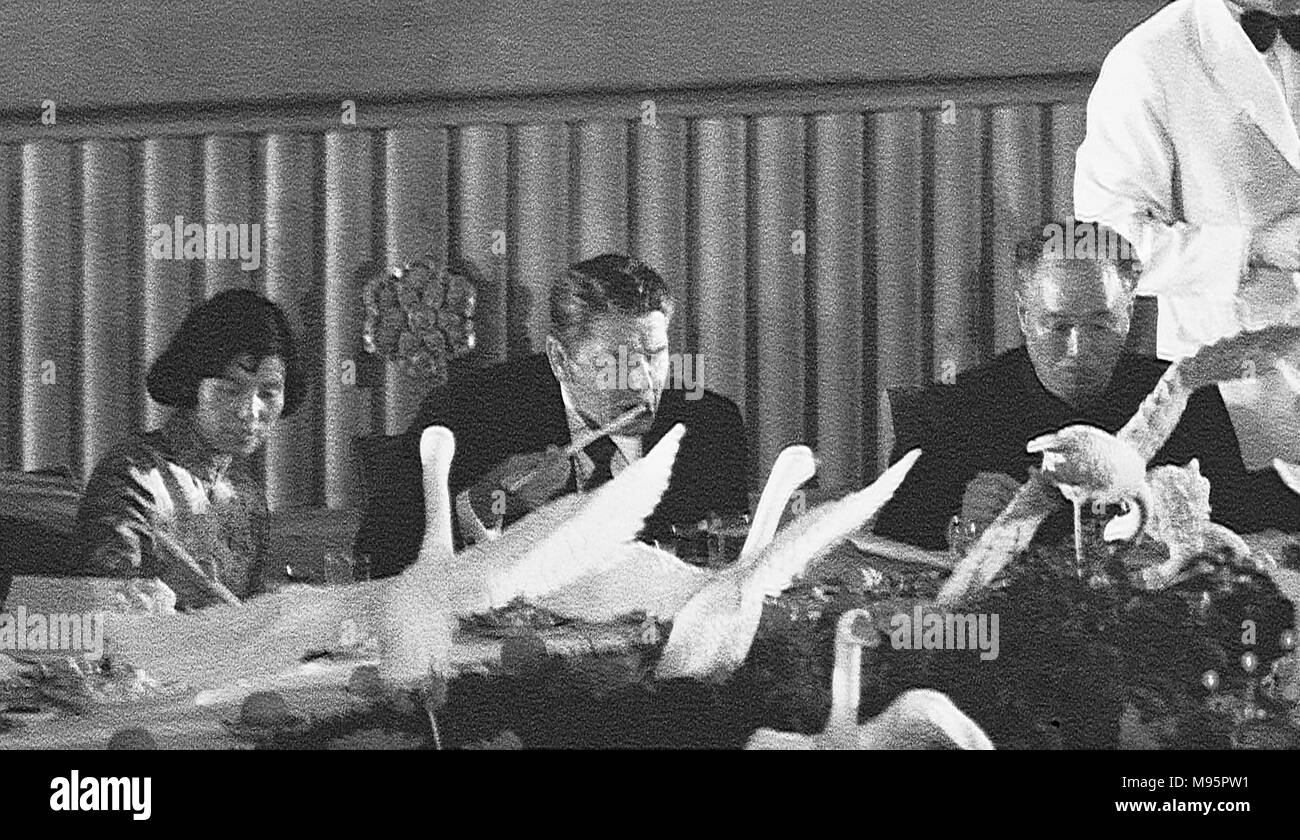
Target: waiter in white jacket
1192,153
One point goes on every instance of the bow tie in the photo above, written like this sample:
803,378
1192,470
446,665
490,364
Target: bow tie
1263,28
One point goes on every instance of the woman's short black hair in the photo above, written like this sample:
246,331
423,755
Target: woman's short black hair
229,325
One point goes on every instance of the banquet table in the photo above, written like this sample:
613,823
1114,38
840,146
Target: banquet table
315,689
784,680
319,688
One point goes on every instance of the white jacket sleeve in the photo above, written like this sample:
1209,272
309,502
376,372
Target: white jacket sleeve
1126,178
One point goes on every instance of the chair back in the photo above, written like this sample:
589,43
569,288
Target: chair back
1142,330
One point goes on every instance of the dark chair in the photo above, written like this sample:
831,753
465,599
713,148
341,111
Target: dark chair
38,526
392,492
909,413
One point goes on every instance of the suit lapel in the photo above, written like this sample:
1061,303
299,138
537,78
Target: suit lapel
1242,72
552,424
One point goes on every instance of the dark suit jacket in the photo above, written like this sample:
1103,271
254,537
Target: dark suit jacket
516,408
982,423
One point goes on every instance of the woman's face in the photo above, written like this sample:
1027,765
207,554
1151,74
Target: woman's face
236,411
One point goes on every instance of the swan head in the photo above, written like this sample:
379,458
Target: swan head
794,466
437,447
857,627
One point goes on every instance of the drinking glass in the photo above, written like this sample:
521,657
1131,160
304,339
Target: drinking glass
962,534
727,535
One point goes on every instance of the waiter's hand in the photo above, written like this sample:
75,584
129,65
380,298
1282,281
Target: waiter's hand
492,500
1277,243
987,495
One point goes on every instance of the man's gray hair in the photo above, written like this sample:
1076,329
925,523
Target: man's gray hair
1072,239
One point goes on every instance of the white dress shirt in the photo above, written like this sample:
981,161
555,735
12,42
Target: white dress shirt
628,446
1283,62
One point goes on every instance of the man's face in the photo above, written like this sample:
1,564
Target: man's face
622,363
1075,318
235,411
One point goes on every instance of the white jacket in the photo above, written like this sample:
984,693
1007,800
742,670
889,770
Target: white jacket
1189,145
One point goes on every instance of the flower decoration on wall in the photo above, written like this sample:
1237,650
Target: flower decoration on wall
421,316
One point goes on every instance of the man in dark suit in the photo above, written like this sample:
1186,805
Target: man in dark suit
1075,310
607,352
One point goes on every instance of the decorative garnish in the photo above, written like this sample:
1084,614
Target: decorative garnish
516,618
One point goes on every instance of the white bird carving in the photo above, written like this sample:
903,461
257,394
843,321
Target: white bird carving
655,583
548,549
713,632
917,719
416,611
1090,465
1247,352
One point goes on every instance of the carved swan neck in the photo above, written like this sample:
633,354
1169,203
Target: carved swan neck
793,467
846,679
437,448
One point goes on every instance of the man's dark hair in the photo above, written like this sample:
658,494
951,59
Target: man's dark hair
215,333
1073,239
609,283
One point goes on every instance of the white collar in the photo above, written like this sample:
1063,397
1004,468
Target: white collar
1244,72
629,445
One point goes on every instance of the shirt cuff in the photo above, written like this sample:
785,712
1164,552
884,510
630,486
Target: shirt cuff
470,525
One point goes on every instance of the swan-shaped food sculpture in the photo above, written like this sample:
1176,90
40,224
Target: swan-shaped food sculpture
917,719
715,613
1144,434
546,550
1090,465
416,611
713,632
655,583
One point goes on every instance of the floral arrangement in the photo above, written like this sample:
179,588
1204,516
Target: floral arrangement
1080,667
420,315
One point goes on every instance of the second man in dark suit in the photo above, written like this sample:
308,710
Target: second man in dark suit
607,352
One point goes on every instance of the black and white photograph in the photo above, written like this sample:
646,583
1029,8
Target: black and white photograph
584,375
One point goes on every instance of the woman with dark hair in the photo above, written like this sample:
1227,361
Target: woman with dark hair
180,503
